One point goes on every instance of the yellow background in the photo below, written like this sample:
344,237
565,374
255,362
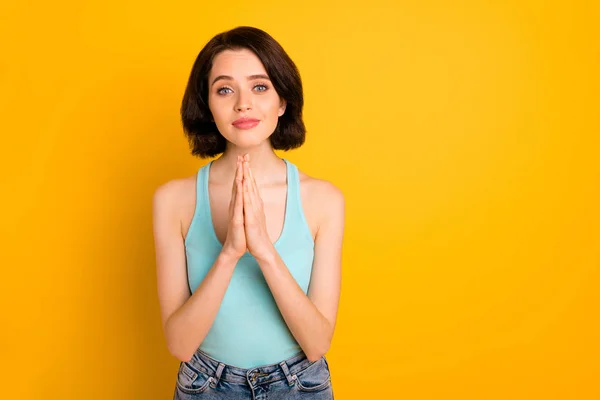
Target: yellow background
463,134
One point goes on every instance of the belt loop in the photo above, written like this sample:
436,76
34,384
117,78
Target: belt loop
287,373
218,373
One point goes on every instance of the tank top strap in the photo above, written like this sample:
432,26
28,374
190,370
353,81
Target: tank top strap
202,185
296,219
202,200
199,217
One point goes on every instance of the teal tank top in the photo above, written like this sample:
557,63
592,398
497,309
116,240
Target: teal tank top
249,330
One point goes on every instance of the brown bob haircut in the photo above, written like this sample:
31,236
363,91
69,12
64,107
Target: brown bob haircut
202,133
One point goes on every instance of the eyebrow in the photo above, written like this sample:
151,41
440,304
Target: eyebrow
251,77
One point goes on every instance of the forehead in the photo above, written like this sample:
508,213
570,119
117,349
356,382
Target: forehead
236,63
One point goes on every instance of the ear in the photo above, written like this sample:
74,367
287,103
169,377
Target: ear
282,105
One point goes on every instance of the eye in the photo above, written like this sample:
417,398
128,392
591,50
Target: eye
220,90
261,86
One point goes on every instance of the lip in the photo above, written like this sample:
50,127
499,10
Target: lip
245,123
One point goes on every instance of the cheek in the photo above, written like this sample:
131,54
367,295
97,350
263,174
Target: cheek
212,104
216,109
273,107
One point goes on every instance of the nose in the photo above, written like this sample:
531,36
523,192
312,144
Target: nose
244,103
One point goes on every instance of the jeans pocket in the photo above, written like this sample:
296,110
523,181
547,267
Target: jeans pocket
314,378
191,380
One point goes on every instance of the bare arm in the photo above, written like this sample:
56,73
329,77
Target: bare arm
187,319
311,318
187,327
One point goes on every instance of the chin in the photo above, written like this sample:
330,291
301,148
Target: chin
248,138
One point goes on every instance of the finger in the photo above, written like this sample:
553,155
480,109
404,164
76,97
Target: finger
248,176
244,174
239,172
251,189
256,200
237,166
233,188
239,200
248,209
254,184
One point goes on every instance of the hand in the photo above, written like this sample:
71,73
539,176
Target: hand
257,238
235,242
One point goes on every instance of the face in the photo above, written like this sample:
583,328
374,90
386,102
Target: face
239,88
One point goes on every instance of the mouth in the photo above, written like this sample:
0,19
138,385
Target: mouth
245,123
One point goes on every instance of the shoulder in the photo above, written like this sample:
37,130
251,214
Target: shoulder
323,194
173,193
320,188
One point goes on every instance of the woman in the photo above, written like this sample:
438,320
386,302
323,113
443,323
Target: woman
248,249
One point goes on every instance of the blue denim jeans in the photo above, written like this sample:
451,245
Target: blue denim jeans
203,377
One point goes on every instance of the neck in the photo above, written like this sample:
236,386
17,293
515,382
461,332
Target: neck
267,167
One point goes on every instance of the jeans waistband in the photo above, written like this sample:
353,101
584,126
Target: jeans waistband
286,369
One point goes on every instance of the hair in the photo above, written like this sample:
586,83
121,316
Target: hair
204,138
